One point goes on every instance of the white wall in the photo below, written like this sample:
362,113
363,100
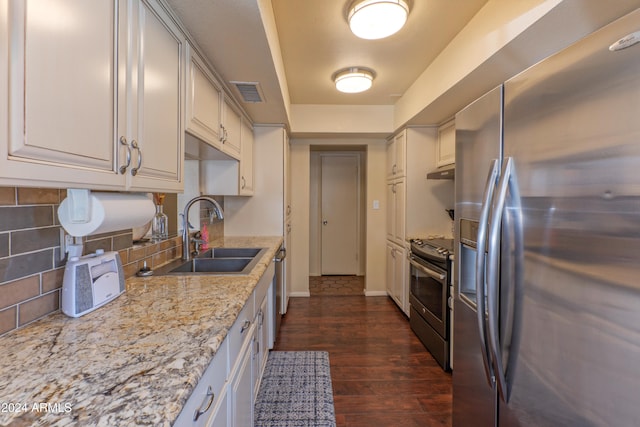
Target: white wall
376,218
373,120
263,213
191,190
299,157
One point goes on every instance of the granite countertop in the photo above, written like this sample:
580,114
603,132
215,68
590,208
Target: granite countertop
134,361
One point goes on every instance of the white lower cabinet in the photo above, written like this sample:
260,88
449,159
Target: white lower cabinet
241,385
209,398
220,414
396,273
391,262
225,395
262,341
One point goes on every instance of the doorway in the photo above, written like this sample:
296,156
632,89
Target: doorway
337,221
339,213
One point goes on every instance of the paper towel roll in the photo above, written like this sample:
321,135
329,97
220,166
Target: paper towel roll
108,212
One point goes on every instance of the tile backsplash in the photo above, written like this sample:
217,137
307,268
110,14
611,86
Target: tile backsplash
31,268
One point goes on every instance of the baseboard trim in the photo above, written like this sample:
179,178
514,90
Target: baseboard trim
300,294
375,293
366,294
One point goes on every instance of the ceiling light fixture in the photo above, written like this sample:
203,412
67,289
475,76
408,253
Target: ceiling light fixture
377,19
353,79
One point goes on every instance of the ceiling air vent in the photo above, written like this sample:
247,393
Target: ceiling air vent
249,91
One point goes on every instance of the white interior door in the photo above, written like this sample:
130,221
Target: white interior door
339,213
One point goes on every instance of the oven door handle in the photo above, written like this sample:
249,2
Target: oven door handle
426,270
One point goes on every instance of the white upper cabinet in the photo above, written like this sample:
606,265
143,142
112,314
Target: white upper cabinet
231,127
446,148
95,95
212,116
396,155
246,160
204,103
156,114
62,121
231,177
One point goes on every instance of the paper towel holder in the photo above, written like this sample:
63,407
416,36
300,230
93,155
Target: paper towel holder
84,212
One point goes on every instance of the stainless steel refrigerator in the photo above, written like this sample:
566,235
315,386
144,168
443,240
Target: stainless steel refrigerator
547,290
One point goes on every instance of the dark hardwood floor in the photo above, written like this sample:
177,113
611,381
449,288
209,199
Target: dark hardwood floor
381,373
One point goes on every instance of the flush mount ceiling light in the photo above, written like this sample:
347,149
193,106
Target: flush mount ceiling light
376,19
353,79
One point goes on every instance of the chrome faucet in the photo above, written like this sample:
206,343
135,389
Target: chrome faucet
185,222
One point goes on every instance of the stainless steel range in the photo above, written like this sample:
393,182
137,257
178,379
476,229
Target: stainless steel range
429,295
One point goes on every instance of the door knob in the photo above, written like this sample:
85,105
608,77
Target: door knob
325,222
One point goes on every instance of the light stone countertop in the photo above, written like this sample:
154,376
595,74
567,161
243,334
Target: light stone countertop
134,361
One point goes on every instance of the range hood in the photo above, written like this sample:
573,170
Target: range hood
443,172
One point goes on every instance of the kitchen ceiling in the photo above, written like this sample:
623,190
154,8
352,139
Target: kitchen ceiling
314,41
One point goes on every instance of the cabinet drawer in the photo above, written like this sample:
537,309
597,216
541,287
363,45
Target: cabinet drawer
239,330
207,392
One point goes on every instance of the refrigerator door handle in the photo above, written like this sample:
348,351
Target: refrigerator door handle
481,242
493,276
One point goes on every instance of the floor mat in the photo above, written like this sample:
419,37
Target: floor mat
295,391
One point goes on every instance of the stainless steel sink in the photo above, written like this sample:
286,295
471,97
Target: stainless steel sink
217,261
230,253
214,265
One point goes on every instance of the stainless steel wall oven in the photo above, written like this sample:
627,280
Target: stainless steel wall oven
429,296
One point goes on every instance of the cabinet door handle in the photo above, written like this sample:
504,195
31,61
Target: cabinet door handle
135,145
394,169
123,168
244,183
245,326
207,405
